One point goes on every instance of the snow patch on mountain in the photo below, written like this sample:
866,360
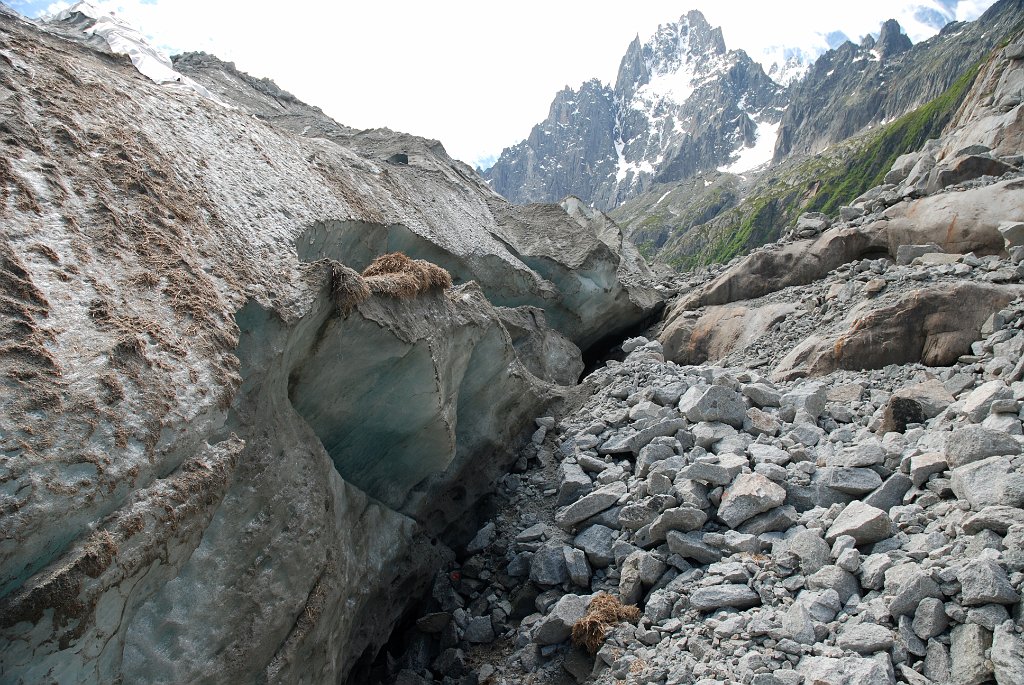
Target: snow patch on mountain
758,154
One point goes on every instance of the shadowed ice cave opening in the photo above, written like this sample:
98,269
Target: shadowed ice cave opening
357,243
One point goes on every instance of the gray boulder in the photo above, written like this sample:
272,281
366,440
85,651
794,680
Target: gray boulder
930,618
912,591
985,582
714,403
589,505
547,567
596,542
557,625
974,443
968,643
1007,655
979,402
862,522
692,546
866,638
851,481
718,596
750,494
989,482
823,670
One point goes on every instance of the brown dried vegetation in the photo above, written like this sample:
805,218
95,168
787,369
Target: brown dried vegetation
348,288
603,613
396,275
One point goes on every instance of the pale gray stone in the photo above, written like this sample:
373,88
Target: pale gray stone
750,494
683,519
988,616
811,549
707,472
718,596
1007,655
659,606
823,670
973,443
872,570
930,618
589,505
835,578
637,515
797,624
936,662
630,584
852,481
691,546
866,638
979,401
596,542
650,456
577,566
768,454
996,518
713,403
985,582
849,560
891,493
922,466
967,647
862,522
778,519
760,422
547,567
557,625
932,396
573,484
809,397
989,482
917,587
761,394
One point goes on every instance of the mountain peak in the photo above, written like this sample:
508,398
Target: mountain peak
892,40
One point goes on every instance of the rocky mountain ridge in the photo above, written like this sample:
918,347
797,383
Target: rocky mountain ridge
851,91
681,103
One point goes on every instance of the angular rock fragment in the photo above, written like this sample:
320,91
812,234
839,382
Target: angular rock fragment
716,597
750,494
862,522
985,582
557,625
968,644
714,404
866,638
974,443
589,505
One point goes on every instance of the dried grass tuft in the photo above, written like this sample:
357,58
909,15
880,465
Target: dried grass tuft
348,288
603,613
396,275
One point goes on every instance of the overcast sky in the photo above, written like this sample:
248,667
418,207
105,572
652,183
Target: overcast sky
475,75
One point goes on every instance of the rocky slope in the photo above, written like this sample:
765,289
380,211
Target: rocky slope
736,214
682,103
857,86
811,475
228,456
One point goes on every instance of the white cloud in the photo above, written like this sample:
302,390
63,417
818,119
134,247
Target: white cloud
475,75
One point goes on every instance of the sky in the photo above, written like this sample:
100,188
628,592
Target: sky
474,75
